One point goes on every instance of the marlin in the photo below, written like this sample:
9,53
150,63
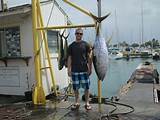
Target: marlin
100,51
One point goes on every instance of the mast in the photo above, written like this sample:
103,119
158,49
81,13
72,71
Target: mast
117,30
142,24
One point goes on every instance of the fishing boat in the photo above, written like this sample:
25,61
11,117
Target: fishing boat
118,56
146,53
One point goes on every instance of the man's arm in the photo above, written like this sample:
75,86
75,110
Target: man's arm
90,61
69,65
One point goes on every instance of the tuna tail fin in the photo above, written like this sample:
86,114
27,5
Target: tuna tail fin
66,36
99,19
62,35
65,57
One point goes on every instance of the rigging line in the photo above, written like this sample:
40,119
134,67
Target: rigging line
41,42
50,13
48,22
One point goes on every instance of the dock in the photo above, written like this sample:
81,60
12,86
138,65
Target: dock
53,110
138,100
142,92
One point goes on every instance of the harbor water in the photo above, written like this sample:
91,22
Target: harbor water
119,71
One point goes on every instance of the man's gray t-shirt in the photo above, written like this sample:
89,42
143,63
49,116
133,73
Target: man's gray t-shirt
79,56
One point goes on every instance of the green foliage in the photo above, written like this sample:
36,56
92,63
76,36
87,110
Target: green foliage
115,45
151,43
135,45
124,44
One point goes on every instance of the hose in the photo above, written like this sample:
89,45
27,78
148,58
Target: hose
115,116
111,115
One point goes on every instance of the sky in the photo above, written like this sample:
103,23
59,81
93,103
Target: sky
124,23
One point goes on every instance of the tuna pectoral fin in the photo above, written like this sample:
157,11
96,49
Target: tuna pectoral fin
99,19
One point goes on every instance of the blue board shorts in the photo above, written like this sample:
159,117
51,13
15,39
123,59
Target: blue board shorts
80,80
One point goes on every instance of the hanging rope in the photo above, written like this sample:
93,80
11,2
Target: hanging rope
50,13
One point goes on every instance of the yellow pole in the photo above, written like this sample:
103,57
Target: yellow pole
43,33
38,93
77,7
99,81
99,92
65,26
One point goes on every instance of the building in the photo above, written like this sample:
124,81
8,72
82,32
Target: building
17,73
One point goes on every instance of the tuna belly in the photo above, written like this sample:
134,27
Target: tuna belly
100,58
100,63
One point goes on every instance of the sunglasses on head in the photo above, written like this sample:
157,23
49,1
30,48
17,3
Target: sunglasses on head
79,33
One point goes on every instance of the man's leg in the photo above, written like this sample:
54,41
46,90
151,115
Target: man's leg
85,84
87,105
87,96
76,105
75,83
76,92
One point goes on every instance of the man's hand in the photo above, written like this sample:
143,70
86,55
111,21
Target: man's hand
69,66
89,71
69,73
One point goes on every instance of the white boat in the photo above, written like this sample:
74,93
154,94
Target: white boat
116,56
146,53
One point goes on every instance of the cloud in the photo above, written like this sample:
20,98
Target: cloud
128,16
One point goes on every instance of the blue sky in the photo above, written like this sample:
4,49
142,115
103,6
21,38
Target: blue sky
128,17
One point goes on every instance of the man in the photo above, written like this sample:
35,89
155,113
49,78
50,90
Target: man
79,68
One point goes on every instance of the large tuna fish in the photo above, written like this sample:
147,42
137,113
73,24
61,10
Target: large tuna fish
100,51
100,57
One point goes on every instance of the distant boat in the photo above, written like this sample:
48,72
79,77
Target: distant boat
146,53
119,56
116,55
156,54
